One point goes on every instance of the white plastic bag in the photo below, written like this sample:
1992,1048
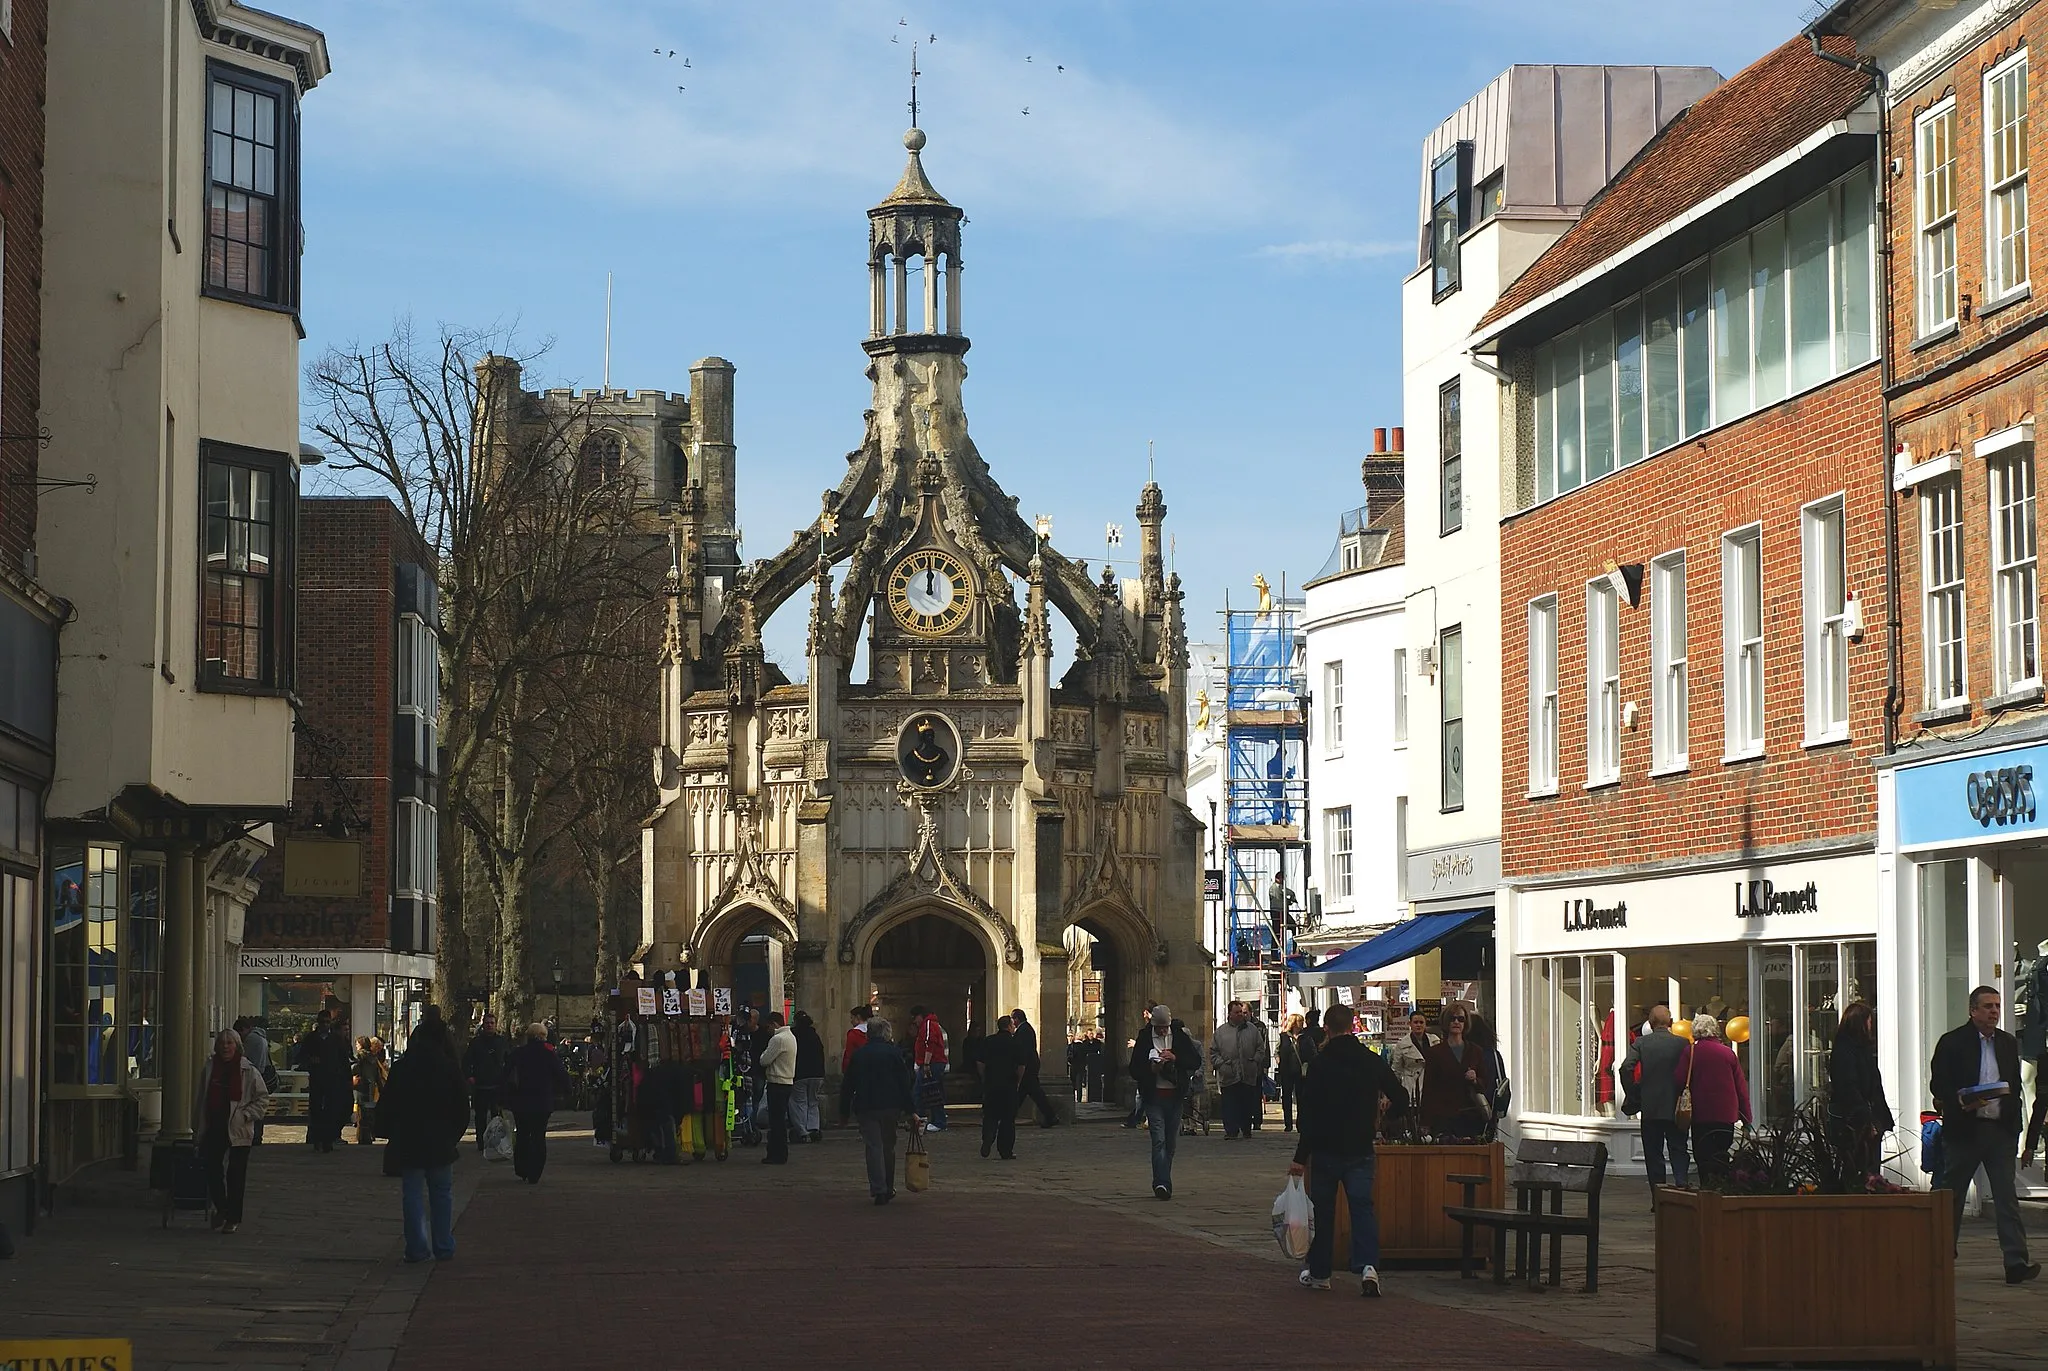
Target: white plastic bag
1294,1220
497,1140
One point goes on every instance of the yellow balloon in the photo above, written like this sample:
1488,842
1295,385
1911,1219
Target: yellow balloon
1683,1028
1737,1029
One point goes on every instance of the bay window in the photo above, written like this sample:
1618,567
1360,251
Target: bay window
246,566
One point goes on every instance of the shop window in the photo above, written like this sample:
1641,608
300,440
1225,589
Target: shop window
1942,602
2014,589
1944,943
1825,604
85,966
1543,696
1571,1024
18,1016
143,1010
1603,683
1669,701
1742,619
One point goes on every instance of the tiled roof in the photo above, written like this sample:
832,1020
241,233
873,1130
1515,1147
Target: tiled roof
1764,110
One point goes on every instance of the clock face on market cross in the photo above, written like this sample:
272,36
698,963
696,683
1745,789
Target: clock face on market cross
929,592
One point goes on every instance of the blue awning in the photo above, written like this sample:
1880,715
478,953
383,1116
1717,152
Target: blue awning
1402,941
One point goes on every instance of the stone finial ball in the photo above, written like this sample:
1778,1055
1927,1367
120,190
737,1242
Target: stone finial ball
914,140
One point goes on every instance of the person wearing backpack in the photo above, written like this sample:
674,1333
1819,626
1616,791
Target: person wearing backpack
1649,1087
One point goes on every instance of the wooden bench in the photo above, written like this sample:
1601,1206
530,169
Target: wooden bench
1542,1167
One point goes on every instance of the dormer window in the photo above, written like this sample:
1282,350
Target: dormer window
1351,552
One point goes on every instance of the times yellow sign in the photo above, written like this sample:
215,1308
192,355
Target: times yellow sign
68,1354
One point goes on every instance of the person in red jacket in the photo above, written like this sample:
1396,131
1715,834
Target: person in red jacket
928,1055
856,1039
1720,1095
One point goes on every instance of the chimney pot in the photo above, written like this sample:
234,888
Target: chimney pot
1399,444
1379,440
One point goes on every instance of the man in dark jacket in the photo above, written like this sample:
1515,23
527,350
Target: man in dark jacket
1980,1130
483,1063
1027,1043
1163,1063
534,1081
423,1112
1340,1111
1003,1066
323,1055
880,1092
1649,1083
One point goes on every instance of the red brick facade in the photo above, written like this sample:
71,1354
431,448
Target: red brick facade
348,608
1960,386
1763,469
22,53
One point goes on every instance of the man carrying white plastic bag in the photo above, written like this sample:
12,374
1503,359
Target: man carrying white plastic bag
1339,1107
1294,1222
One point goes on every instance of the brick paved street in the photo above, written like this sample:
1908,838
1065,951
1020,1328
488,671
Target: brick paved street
1059,1259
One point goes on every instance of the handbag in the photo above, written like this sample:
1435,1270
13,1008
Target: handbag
1681,1113
917,1163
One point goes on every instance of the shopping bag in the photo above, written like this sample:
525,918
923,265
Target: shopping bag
1294,1221
497,1140
917,1163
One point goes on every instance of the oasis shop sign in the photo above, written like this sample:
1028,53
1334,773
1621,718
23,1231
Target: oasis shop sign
1989,795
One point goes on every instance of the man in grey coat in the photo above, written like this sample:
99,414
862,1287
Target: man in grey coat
1241,1054
1650,1085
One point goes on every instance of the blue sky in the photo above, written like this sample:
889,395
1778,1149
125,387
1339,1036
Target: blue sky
1197,235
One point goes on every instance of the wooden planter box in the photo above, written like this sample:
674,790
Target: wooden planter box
1409,1194
1806,1278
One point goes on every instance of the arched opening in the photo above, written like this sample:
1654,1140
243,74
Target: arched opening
749,951
600,460
1107,993
940,963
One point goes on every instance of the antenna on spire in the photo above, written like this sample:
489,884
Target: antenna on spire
1151,467
914,73
607,331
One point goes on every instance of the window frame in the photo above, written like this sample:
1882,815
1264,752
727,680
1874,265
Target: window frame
1997,289
1450,406
1953,590
1603,683
1400,697
1670,684
283,292
1447,744
113,1081
1935,232
280,651
1738,545
1333,707
1543,697
415,841
1824,633
1452,206
1338,874
2006,568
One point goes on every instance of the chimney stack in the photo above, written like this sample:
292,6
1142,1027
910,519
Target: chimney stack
1381,473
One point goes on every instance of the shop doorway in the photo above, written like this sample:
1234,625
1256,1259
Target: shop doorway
2023,876
941,964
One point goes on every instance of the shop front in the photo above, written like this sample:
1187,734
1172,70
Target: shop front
1455,888
1774,950
1964,849
370,992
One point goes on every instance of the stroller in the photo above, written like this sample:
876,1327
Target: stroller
1195,1118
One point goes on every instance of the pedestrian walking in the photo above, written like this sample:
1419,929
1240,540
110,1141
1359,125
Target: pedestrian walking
483,1065
1341,1095
322,1053
1290,1069
423,1114
810,1080
1312,1025
534,1082
1857,1110
928,1055
231,1096
1409,1061
1458,1079
1003,1071
856,1038
879,1091
778,1072
256,1047
1240,1056
1163,1066
1980,1123
370,1072
1649,1087
1720,1095
1027,1043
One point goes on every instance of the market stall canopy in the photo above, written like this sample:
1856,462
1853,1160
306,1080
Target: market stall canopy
1402,941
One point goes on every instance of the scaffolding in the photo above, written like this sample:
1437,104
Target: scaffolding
1265,734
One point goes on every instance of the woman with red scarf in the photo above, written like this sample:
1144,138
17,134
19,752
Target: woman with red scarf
231,1095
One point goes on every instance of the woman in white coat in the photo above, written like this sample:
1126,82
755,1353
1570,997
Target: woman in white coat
230,1105
1406,1057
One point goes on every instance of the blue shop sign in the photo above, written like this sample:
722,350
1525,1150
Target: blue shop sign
1973,799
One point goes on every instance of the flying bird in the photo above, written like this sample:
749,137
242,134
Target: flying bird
894,39
931,38
1027,109
686,63
1027,57
680,88
1060,68
902,23
671,52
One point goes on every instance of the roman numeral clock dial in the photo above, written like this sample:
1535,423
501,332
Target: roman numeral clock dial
929,593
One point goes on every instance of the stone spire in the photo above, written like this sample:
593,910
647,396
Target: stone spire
1151,556
1176,625
1037,640
744,657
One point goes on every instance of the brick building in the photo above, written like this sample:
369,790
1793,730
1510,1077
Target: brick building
29,613
345,918
1691,530
1963,845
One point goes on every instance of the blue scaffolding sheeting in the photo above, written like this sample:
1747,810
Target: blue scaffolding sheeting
1265,781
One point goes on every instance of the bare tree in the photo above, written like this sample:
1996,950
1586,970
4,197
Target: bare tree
548,576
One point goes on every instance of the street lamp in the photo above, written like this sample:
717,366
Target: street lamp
558,993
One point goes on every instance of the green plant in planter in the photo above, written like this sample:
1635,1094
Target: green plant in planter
1804,1156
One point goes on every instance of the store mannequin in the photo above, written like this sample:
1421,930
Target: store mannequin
2030,1014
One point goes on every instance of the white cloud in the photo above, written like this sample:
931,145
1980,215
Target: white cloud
1329,251
785,103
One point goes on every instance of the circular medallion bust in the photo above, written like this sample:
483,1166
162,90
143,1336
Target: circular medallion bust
928,750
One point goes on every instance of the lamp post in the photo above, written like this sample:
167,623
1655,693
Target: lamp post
558,993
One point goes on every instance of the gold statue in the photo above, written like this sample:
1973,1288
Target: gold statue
1201,711
1265,593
